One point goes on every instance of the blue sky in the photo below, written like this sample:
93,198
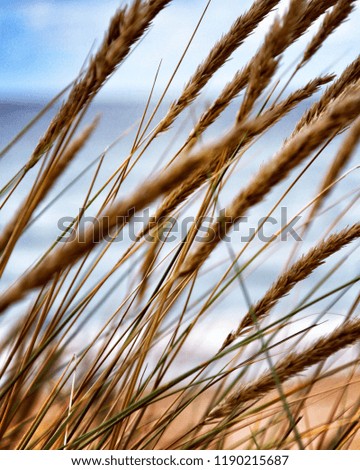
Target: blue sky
44,43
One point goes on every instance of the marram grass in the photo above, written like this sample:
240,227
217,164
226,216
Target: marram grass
216,341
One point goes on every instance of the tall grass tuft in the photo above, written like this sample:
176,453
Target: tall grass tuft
177,309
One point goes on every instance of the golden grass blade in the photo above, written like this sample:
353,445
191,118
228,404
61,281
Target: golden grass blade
296,273
331,22
342,337
126,27
292,154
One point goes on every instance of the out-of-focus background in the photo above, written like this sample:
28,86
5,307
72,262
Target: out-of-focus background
45,42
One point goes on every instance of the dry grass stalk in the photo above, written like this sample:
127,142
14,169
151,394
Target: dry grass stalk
218,55
295,23
265,62
341,159
126,27
150,256
230,91
299,271
333,19
342,337
14,228
249,130
314,9
164,183
341,114
278,111
348,78
118,213
245,132
299,24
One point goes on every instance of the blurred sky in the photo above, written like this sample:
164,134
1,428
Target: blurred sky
44,43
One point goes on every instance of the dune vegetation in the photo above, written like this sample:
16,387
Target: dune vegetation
209,339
